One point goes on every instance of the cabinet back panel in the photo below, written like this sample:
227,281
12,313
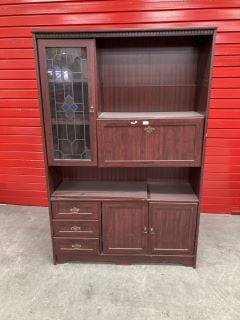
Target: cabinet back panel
147,77
125,174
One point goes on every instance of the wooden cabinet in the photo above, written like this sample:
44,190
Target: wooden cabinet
124,227
172,228
162,142
124,118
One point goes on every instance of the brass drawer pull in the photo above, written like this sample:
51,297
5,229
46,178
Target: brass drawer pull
76,246
76,228
74,210
149,129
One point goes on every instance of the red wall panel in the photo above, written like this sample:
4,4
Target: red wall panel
22,178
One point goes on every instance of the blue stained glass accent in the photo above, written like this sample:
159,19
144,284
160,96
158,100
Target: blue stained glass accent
65,107
74,107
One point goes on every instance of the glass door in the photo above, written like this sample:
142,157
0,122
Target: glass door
67,71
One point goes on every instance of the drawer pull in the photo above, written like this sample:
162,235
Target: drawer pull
149,129
76,246
74,210
76,228
145,230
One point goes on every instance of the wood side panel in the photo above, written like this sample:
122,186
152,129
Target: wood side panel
124,227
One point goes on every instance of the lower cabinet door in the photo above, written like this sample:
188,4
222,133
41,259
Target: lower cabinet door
124,227
172,228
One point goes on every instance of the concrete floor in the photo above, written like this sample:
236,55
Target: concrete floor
31,287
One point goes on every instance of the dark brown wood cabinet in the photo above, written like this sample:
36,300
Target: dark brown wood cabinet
124,117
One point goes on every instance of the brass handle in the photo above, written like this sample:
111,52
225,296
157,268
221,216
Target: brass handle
74,210
145,230
149,129
152,230
76,246
91,109
76,228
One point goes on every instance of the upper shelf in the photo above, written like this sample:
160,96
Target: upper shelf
150,115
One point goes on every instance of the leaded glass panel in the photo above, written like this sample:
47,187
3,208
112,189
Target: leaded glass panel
68,95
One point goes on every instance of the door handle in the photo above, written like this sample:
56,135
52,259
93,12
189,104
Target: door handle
152,231
145,230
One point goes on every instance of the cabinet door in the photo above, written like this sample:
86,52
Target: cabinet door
172,228
164,142
124,227
67,71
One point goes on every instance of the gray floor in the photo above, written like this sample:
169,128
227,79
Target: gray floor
31,287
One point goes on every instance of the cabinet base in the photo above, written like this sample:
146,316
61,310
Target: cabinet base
126,260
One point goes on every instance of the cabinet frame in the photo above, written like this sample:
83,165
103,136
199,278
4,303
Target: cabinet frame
54,171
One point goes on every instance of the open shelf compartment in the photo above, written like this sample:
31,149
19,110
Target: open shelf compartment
119,190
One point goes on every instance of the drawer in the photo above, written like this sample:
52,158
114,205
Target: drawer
82,210
76,246
75,228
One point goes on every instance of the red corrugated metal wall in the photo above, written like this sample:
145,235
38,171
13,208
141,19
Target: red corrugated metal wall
22,177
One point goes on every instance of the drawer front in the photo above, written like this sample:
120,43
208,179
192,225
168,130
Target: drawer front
81,210
176,142
76,246
75,228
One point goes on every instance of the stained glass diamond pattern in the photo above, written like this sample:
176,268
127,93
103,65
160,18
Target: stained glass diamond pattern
74,107
65,107
68,100
69,105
